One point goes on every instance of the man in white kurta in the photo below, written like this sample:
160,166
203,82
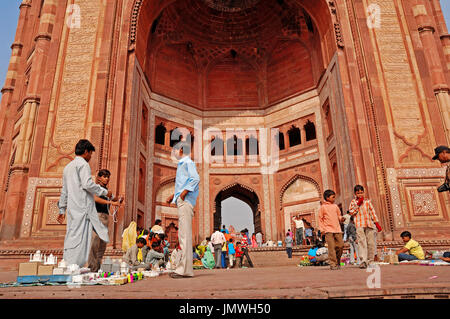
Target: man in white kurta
77,198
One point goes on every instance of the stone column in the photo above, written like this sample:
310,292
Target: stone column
19,175
432,57
7,115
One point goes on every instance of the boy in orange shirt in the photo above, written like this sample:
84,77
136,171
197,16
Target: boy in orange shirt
330,220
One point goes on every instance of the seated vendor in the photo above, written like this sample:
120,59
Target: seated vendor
136,254
446,257
154,258
313,253
412,249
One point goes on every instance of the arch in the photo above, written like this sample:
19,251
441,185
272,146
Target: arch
243,193
217,146
295,137
234,146
160,134
292,181
142,14
163,188
310,131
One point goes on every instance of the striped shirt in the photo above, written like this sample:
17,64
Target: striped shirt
364,215
244,242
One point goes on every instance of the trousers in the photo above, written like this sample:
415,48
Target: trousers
366,243
335,247
185,214
98,246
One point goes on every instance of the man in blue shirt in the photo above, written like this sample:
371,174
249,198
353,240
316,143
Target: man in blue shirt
185,197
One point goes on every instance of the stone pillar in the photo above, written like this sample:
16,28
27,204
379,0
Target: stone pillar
17,184
15,196
432,57
286,138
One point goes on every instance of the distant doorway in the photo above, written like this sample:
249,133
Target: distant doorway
238,203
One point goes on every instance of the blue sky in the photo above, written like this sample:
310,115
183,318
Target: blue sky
9,13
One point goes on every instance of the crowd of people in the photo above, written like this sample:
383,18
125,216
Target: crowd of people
87,205
147,249
359,227
226,250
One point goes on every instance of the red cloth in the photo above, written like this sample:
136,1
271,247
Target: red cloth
239,252
360,201
378,227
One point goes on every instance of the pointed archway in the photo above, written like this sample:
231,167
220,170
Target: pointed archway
242,193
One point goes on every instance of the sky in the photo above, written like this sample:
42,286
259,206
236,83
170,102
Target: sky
234,211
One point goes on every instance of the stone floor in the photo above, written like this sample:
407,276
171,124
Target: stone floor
288,281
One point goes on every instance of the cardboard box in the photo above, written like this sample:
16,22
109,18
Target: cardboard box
29,269
106,267
392,259
58,271
45,270
120,281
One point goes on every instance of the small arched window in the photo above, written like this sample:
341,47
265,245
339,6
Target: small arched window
279,139
310,131
175,136
251,146
160,134
234,146
216,146
294,136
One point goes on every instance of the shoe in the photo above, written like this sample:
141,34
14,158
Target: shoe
363,265
334,267
177,276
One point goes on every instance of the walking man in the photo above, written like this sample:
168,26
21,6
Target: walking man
299,227
77,200
217,240
185,196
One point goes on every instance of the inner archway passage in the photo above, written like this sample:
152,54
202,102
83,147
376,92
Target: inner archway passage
244,194
237,214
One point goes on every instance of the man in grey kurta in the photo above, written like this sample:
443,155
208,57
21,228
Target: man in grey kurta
77,199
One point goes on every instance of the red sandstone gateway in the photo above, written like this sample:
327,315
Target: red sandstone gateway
356,90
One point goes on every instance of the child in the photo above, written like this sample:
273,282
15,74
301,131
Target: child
288,240
137,253
412,249
231,254
154,258
244,248
351,236
239,254
329,224
313,254
366,222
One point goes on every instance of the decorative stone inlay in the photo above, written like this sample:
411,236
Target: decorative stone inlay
393,177
33,184
52,212
424,202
